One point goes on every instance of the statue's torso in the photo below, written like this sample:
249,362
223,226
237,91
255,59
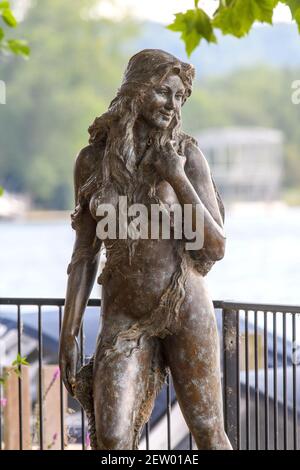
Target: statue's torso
138,272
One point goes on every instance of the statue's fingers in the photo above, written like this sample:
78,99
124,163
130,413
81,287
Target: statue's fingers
72,372
65,379
169,145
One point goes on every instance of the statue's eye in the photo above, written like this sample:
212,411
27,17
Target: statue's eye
162,91
179,96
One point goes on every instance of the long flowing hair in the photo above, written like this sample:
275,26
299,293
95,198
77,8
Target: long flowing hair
113,131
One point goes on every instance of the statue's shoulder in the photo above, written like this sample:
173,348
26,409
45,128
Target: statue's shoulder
88,171
195,158
198,168
87,161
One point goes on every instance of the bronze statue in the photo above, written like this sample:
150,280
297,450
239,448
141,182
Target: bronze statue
156,311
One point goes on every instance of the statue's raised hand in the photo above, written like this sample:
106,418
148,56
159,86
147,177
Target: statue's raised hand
69,361
168,163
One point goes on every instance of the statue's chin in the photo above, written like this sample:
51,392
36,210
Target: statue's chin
160,124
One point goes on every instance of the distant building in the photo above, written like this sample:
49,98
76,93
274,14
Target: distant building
246,163
13,205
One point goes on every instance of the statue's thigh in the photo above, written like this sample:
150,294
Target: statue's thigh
194,360
120,384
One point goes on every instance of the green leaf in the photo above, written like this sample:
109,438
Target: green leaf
17,360
4,6
295,10
20,360
236,17
192,40
194,25
19,47
8,17
293,4
1,191
1,34
24,361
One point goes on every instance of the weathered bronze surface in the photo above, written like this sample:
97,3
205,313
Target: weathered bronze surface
156,311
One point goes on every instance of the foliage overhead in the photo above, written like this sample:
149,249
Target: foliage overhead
72,75
234,17
15,46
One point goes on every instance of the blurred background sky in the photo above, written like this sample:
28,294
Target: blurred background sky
163,12
241,112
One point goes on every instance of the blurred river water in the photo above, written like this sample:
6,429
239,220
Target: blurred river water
262,261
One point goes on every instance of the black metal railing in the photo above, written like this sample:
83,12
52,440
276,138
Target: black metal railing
259,347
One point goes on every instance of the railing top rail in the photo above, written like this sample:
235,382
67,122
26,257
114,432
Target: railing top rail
252,306
226,305
41,301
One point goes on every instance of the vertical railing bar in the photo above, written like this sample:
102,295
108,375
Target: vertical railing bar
1,407
147,435
168,389
40,341
266,373
257,395
230,368
275,363
190,441
247,381
61,392
238,381
295,410
224,373
284,359
20,380
222,364
82,411
0,412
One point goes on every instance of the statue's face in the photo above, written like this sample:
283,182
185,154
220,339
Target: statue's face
163,102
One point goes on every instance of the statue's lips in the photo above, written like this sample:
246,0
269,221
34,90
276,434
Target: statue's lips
166,115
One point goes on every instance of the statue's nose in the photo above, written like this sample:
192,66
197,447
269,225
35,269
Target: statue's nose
170,104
